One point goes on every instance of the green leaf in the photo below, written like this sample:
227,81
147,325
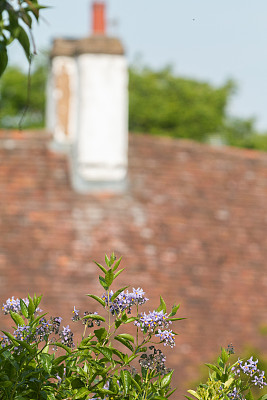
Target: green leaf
22,37
3,58
166,380
38,300
103,282
118,353
101,301
27,19
174,310
138,387
107,261
112,258
94,316
109,277
124,342
103,269
228,382
224,356
126,380
118,273
82,392
17,318
162,306
131,319
194,393
124,317
214,368
31,306
60,359
126,336
101,334
117,264
63,346
37,319
171,392
47,361
175,319
263,397
118,323
116,294
106,352
105,391
24,308
141,350
50,396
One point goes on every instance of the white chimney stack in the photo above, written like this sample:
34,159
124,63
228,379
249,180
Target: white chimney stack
87,108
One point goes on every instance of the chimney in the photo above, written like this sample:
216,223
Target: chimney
87,107
99,18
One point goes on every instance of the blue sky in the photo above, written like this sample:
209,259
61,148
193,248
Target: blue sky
210,40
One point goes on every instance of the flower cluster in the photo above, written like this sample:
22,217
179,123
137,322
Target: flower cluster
167,337
152,320
66,336
89,322
250,368
40,333
154,361
13,304
55,321
235,395
4,340
22,333
124,301
230,349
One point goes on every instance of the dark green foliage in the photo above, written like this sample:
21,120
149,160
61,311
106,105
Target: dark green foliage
242,133
162,103
16,24
15,99
94,368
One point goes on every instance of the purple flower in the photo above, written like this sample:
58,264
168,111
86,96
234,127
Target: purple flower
124,301
4,341
235,395
76,316
237,367
259,380
250,368
167,337
55,321
22,332
44,329
13,304
149,322
66,336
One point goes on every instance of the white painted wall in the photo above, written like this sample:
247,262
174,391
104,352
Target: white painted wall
102,141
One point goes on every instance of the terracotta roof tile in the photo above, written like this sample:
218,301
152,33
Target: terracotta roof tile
191,227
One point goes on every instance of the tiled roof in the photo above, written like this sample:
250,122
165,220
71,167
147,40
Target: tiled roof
191,227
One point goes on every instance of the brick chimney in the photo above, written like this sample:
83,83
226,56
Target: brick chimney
99,18
87,107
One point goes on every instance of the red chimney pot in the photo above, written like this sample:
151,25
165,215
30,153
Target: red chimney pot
99,18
